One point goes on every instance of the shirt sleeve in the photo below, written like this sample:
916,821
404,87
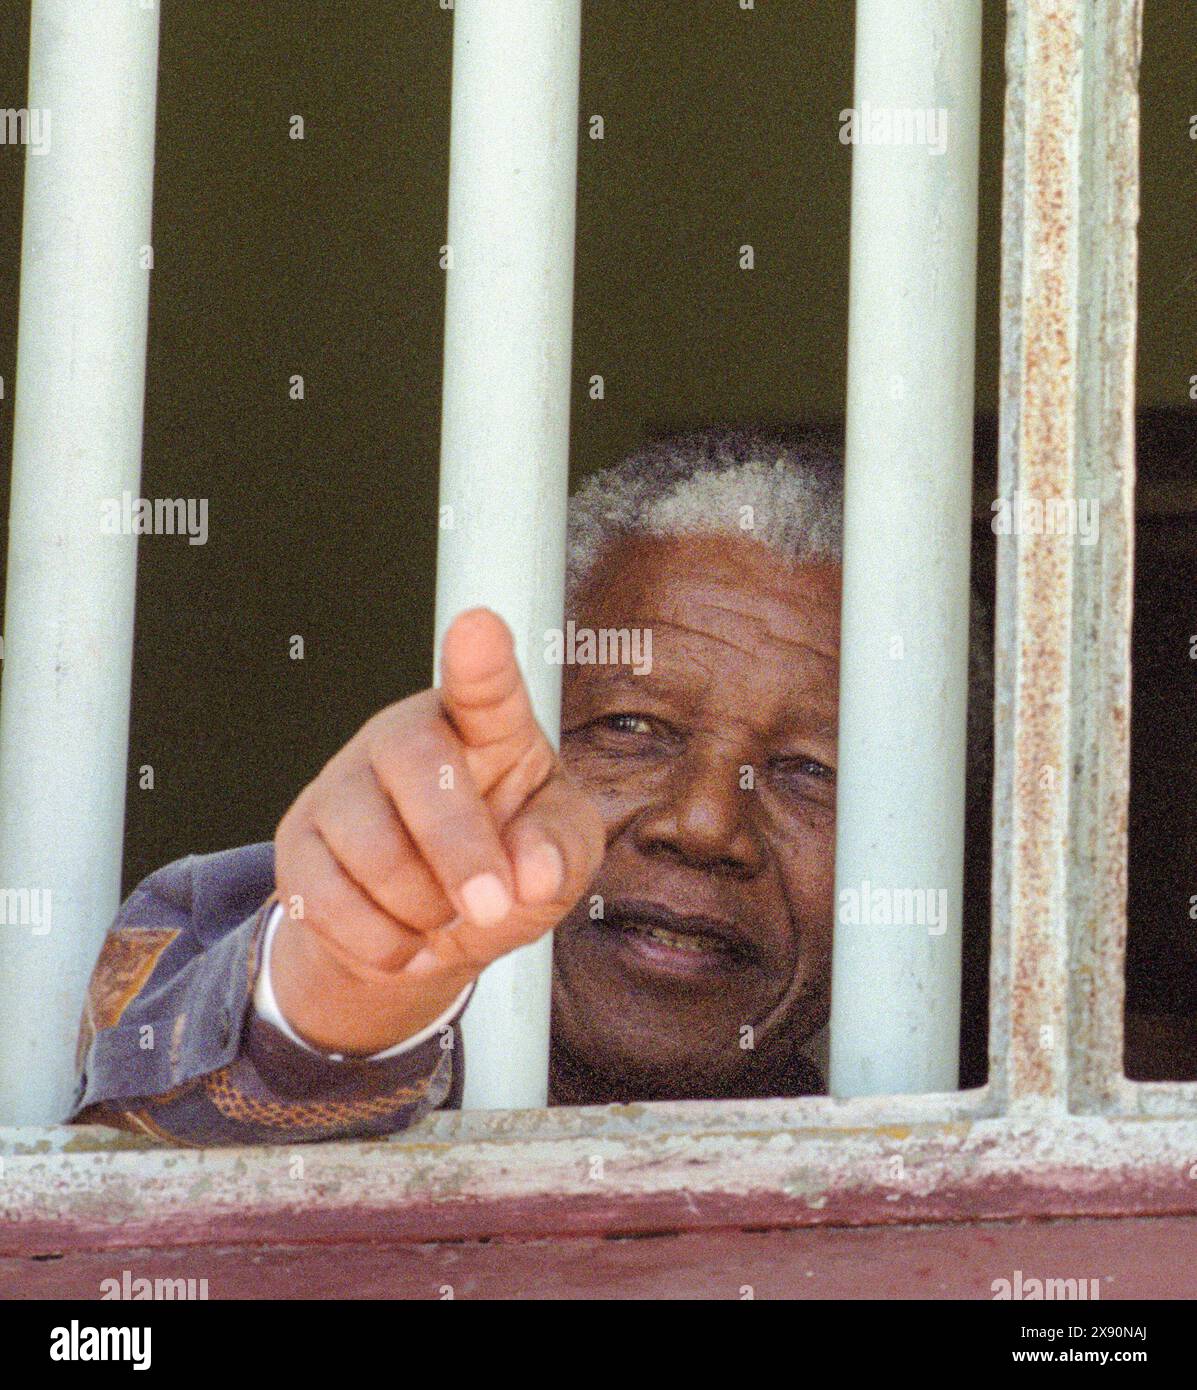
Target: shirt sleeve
266,1006
171,1045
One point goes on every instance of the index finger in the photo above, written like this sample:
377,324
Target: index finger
482,691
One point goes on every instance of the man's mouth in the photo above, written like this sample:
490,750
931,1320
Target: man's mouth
684,943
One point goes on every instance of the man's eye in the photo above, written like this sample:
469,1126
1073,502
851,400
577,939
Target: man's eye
627,724
803,770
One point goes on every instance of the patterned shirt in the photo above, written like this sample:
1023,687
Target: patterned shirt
171,1046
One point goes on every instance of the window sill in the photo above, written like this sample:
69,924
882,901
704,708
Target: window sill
610,1171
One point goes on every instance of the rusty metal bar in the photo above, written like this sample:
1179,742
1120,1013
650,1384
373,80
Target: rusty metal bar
1034,573
1104,569
1040,220
1066,453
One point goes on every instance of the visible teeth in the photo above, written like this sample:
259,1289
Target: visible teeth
697,943
684,943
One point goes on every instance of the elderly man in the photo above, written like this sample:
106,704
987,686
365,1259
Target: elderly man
682,845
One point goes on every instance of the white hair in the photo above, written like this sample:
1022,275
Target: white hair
783,490
782,487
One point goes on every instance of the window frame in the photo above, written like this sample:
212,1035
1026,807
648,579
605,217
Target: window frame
1058,1129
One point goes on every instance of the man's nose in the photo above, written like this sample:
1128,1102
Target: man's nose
704,814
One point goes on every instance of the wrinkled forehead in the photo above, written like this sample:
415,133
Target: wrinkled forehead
726,622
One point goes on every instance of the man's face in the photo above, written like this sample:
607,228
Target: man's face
715,776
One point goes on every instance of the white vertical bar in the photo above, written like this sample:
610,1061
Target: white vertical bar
505,424
68,628
896,987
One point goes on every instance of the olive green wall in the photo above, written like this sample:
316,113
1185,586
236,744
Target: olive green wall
319,257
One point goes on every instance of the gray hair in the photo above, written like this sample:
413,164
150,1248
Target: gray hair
784,490
780,486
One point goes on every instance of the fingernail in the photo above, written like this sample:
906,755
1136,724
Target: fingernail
539,872
485,899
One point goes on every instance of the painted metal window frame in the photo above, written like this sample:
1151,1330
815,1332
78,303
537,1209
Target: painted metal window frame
1058,1129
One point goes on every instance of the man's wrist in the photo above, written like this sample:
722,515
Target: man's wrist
267,1007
